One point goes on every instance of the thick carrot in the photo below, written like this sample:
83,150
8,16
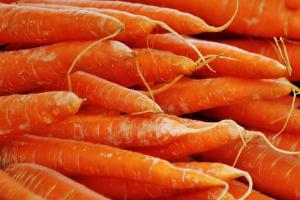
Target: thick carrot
10,189
243,63
273,173
259,18
33,68
22,113
181,22
135,26
121,188
100,92
268,48
190,95
272,116
49,184
32,25
80,158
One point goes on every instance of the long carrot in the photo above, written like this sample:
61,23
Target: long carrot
268,48
243,63
80,158
273,173
10,189
49,184
179,21
32,68
272,116
32,25
23,113
100,92
135,26
190,95
259,18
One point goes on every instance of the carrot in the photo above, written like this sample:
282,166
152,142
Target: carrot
179,21
273,173
135,26
272,117
243,64
292,4
22,113
121,188
32,68
189,95
100,92
10,189
23,24
258,18
48,183
288,140
268,48
79,158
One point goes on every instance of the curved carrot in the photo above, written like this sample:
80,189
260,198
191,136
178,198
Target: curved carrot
102,93
273,173
22,113
10,189
190,95
32,68
49,184
32,25
136,26
272,114
243,64
81,158
179,21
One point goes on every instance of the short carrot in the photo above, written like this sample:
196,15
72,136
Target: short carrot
49,184
243,63
273,114
273,173
80,158
46,64
22,113
190,95
24,24
179,21
105,94
10,189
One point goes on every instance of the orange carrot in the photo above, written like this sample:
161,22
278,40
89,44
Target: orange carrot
292,4
273,173
32,25
179,21
100,92
33,68
189,95
10,189
136,26
49,184
268,48
243,63
259,18
22,113
287,140
80,158
272,114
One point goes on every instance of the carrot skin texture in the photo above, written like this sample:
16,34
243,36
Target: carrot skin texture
44,65
100,92
100,160
10,189
272,117
245,65
49,184
190,95
72,25
22,113
181,22
273,173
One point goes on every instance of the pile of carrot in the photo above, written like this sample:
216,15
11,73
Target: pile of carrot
149,99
